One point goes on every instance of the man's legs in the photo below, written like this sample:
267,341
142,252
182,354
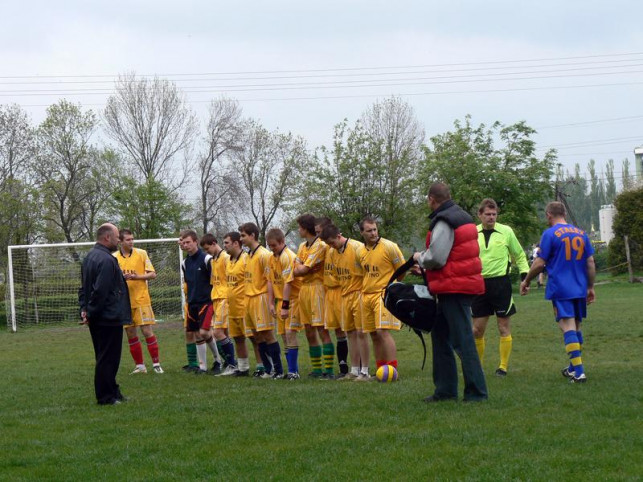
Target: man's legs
445,374
135,349
107,342
506,343
572,346
457,312
479,328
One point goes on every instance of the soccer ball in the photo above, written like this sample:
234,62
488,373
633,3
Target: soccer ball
386,374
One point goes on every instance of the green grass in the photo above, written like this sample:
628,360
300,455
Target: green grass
535,426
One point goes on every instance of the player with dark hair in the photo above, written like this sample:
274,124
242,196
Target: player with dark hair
333,303
379,258
219,296
235,277
344,256
309,266
285,302
137,270
498,248
197,273
258,315
568,254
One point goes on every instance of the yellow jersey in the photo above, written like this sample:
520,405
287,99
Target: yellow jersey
136,263
313,256
330,277
235,278
218,278
379,262
348,269
281,267
257,270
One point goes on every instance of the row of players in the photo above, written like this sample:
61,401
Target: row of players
243,290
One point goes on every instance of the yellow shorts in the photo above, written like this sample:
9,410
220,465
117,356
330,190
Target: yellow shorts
375,315
237,328
142,315
258,316
311,304
220,317
333,308
292,322
351,318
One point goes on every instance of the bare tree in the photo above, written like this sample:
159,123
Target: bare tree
63,168
397,137
217,180
151,123
270,165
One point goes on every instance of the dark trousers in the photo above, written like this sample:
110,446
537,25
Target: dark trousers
108,342
453,332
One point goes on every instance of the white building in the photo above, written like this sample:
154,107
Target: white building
606,220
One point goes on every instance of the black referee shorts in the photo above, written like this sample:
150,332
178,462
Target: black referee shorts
497,299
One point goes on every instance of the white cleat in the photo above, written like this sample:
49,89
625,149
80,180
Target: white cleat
229,371
158,369
139,369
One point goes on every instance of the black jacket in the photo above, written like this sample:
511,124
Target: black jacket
103,294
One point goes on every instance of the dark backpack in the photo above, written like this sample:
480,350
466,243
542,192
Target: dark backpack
413,305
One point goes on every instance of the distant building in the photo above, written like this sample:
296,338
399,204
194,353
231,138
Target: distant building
638,162
606,220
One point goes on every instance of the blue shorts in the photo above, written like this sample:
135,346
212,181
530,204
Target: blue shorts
575,308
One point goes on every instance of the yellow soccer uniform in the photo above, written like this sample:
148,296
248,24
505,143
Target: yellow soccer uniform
258,316
235,277
218,279
350,275
136,263
379,263
281,267
311,294
333,294
219,282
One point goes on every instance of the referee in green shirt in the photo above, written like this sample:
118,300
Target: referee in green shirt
498,247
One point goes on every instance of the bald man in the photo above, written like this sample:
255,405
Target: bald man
105,308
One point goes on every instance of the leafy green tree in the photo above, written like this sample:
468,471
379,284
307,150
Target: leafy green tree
370,169
498,162
628,222
63,169
149,208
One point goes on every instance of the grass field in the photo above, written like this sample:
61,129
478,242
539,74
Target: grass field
176,426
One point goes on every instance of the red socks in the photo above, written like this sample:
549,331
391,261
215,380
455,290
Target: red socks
153,348
135,350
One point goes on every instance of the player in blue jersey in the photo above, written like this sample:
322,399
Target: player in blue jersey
568,255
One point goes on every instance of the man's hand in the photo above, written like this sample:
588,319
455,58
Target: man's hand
591,295
84,320
524,288
273,311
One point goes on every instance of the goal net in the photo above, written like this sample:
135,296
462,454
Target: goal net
43,280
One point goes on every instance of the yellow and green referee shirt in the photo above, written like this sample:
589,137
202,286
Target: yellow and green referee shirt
497,252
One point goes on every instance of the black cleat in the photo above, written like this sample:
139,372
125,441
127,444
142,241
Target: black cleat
501,373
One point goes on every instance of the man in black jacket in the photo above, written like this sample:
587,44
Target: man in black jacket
105,307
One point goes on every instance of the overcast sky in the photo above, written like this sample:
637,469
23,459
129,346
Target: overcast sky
572,69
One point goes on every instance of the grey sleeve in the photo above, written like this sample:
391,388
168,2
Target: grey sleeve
441,243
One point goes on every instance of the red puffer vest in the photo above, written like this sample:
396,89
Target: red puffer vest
462,272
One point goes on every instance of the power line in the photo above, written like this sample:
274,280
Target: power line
351,84
345,69
359,74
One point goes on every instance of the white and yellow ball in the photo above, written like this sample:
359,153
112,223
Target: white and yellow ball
386,374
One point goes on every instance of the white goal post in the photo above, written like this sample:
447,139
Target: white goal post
43,281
